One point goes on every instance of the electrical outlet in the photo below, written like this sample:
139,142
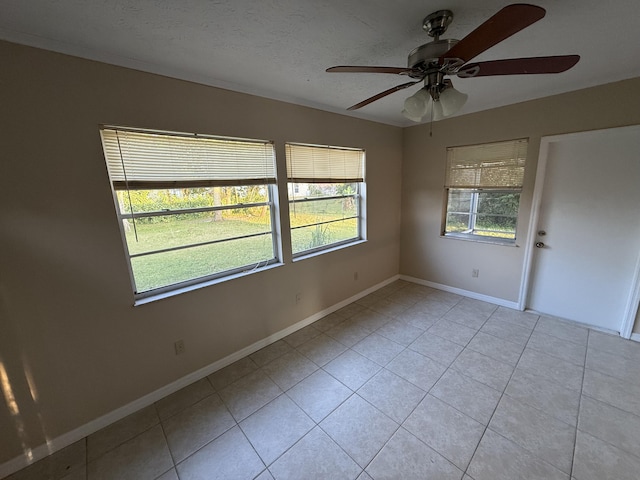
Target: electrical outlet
179,347
298,297
475,273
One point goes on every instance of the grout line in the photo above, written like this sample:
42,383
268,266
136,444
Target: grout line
486,427
575,437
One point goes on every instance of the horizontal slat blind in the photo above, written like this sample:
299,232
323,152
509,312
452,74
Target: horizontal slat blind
320,164
492,165
163,160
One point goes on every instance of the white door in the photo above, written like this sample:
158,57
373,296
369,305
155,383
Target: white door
588,232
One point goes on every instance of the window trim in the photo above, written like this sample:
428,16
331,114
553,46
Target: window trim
351,174
269,182
478,185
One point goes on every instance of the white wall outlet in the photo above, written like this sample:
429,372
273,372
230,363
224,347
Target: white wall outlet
475,273
179,347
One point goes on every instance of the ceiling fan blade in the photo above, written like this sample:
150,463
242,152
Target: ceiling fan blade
381,95
357,69
511,19
519,66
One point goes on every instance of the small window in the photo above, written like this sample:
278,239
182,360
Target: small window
326,191
482,189
192,207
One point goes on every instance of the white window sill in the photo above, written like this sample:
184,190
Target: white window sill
479,239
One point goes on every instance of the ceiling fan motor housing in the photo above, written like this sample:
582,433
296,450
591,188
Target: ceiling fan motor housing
425,57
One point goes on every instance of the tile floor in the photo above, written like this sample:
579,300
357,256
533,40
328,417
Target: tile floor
406,383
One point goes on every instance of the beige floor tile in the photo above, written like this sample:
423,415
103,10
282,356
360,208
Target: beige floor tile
597,460
617,427
614,365
352,369
299,337
506,330
229,457
556,347
546,395
378,348
498,458
560,371
144,457
614,344
546,437
315,457
453,332
70,460
449,432
523,319
289,369
472,398
229,374
436,348
569,331
119,432
484,369
248,394
321,349
276,427
319,394
359,428
617,393
496,348
183,398
270,353
405,457
400,332
421,371
196,426
392,395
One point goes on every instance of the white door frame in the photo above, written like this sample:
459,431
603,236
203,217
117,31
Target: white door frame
633,299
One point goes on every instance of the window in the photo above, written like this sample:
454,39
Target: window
326,191
192,207
482,189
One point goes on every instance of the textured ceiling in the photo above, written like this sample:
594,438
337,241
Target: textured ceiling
280,48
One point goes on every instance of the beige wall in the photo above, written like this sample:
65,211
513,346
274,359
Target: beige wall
424,254
72,345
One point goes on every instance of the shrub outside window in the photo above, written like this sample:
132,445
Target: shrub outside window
482,190
326,191
192,207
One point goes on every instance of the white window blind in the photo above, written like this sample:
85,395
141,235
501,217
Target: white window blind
492,165
316,164
151,160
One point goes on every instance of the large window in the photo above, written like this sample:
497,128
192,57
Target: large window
326,191
191,207
482,190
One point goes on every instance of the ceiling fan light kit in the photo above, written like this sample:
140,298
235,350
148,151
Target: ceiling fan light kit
432,62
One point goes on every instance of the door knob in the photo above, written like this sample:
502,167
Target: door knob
539,244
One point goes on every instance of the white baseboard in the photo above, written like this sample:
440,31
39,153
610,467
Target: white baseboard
465,293
93,426
635,337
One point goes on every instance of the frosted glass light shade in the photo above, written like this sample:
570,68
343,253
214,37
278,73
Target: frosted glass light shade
416,105
413,118
437,111
451,101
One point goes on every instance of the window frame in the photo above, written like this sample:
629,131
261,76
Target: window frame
293,183
270,187
478,186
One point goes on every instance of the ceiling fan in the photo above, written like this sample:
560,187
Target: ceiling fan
432,62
